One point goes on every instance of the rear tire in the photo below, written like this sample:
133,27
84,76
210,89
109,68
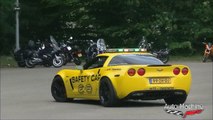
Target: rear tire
107,93
58,90
29,63
164,59
58,62
175,99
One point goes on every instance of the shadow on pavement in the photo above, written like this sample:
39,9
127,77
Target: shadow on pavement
129,103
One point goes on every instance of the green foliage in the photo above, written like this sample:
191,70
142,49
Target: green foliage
122,23
183,48
7,31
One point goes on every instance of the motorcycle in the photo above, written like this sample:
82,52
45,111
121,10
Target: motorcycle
48,54
208,52
101,46
22,54
20,57
92,51
162,54
143,44
72,53
95,48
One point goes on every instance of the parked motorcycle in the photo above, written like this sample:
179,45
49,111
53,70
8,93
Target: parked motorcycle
95,48
208,52
162,54
143,44
20,57
71,52
22,54
92,50
101,46
47,54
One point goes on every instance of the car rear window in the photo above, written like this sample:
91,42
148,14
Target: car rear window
134,59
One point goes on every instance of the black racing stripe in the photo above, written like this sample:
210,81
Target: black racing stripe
99,71
71,84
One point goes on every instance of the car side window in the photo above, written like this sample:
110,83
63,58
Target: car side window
96,62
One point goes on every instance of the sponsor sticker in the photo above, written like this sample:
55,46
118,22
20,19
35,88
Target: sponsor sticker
184,110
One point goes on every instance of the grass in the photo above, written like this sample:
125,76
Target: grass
7,61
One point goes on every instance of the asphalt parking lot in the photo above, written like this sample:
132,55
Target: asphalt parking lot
25,94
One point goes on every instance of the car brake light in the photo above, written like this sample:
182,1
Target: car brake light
131,72
141,71
176,71
185,71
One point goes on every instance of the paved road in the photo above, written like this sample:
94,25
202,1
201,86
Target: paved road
25,94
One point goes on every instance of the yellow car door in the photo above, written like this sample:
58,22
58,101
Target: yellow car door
91,85
92,70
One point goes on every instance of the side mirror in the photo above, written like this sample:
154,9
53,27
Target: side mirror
79,68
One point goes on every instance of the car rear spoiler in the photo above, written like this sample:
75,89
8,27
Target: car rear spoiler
164,65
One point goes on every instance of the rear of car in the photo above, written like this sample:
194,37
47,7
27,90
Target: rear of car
147,78
154,79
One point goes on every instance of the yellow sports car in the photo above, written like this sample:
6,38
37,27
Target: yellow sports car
112,77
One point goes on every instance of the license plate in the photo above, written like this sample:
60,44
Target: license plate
79,55
160,80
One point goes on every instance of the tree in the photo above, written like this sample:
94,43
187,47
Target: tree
7,26
121,23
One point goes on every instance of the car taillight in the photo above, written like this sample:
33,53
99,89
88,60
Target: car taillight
141,71
176,71
131,72
185,71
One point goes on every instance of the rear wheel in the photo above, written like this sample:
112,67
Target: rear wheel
175,99
29,63
107,94
58,62
58,90
164,58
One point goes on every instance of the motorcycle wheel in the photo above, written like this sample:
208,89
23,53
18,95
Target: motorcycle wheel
58,62
77,61
29,63
164,59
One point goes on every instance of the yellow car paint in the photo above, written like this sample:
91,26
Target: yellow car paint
85,83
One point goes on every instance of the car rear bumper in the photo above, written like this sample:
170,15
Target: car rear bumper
154,94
